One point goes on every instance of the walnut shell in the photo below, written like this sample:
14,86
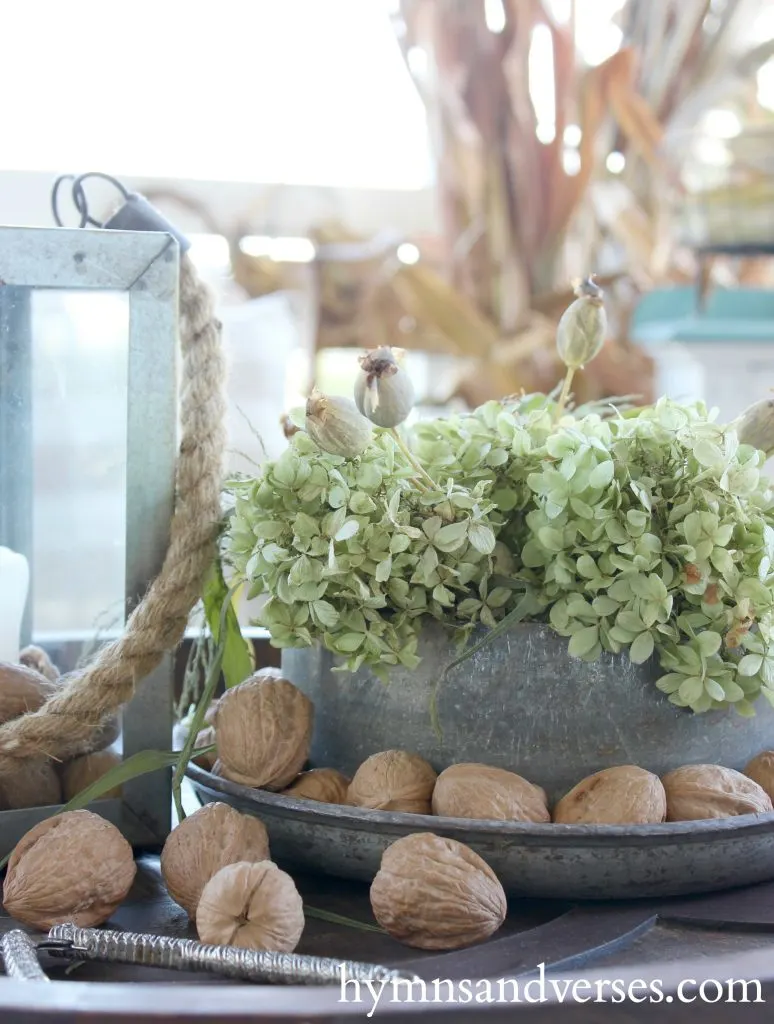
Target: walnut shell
83,771
209,839
393,780
697,792
36,658
761,770
73,867
102,736
263,728
21,690
325,785
253,906
205,739
478,791
34,783
625,795
436,893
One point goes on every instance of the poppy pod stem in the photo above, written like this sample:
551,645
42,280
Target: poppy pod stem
565,392
424,477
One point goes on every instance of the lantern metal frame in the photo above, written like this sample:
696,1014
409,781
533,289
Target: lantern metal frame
145,265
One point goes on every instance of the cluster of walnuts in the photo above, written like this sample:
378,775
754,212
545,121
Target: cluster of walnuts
78,867
623,795
263,729
430,892
43,782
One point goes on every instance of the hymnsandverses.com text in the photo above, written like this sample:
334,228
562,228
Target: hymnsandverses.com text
540,989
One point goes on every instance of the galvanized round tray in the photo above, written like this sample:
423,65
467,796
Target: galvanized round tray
576,862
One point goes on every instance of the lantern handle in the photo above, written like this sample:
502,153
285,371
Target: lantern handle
78,194
135,213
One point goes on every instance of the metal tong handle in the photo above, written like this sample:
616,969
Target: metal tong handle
188,955
19,955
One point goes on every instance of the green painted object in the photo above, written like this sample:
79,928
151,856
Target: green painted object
675,314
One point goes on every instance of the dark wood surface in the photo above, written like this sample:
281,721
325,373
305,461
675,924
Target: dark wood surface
729,935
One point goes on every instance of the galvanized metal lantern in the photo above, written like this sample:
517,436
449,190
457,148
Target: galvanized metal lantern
88,432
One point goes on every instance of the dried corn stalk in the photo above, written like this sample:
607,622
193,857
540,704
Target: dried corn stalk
691,61
509,205
517,224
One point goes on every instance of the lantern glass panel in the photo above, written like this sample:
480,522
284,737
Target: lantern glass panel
79,419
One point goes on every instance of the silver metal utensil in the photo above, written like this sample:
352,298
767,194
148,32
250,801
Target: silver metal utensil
19,954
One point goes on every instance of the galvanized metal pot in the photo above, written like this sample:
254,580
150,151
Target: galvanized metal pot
520,703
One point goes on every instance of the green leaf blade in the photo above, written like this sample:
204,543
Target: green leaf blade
237,653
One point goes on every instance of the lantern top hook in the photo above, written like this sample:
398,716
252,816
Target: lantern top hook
78,195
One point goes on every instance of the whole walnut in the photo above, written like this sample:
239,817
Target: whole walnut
206,738
436,893
101,737
73,867
209,839
36,658
34,783
697,792
478,791
393,780
761,770
253,906
625,795
325,785
264,729
22,690
83,771
211,712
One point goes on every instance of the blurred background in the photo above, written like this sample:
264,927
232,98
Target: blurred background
429,174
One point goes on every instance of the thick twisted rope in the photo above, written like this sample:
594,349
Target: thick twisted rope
66,722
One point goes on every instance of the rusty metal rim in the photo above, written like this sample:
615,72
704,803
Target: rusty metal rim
527,833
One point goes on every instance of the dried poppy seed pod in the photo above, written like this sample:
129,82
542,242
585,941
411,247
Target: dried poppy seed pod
288,426
335,425
383,390
583,326
756,426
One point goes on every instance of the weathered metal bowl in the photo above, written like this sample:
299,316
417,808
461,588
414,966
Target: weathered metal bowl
576,862
520,703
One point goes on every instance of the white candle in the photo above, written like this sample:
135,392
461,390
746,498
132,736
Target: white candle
14,587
